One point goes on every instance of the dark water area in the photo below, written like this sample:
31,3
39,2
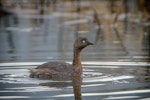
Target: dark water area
116,67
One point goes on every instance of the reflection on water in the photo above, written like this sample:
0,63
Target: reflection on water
97,82
53,40
115,68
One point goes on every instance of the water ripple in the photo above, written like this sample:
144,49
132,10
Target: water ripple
93,63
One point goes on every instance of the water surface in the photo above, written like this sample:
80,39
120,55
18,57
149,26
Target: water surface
116,68
105,82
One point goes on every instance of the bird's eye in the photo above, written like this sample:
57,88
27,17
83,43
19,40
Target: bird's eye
83,41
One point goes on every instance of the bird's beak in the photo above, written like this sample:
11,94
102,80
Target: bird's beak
89,43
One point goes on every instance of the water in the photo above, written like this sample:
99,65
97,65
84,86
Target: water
116,68
105,81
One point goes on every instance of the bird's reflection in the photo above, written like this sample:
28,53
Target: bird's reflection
75,81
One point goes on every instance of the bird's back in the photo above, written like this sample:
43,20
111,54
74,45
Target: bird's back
56,65
53,70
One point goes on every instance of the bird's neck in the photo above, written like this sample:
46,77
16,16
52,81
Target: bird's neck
77,58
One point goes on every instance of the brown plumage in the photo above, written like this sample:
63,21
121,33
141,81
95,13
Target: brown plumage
61,70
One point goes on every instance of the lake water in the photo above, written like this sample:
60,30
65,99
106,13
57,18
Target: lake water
100,81
115,68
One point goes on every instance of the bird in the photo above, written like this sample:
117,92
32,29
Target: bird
61,69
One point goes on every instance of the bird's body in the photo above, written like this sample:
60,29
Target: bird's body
59,69
52,70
